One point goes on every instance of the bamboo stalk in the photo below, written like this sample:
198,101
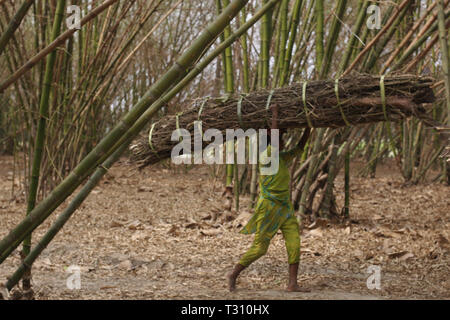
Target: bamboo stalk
444,43
52,46
377,37
76,177
415,45
319,35
333,37
41,131
443,35
64,217
377,50
266,36
347,182
227,64
14,24
292,35
245,58
326,205
363,4
282,40
408,36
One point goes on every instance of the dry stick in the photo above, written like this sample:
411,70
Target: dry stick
227,67
378,36
52,46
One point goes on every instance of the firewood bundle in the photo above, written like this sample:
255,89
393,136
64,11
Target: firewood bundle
353,100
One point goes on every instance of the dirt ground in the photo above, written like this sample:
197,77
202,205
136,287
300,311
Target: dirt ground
147,235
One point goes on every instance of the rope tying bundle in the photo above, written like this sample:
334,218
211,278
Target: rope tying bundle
308,119
336,90
239,110
150,138
269,100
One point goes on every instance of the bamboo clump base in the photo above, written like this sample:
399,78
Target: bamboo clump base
353,100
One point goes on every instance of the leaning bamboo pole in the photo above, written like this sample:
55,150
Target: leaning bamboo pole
107,144
246,88
64,217
361,14
41,132
99,172
146,117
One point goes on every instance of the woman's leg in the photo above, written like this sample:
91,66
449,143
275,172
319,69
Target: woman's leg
291,236
257,250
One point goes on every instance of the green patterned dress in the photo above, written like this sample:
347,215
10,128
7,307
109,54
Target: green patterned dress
273,212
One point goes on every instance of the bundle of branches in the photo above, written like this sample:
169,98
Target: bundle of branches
353,100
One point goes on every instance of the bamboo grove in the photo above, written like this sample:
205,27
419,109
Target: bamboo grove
71,101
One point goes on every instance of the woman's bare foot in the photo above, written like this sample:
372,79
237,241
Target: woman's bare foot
232,276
